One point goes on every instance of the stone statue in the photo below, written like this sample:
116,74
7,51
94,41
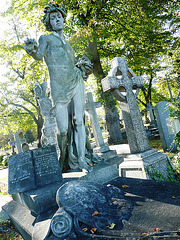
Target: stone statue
67,86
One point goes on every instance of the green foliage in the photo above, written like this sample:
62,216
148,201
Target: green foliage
4,160
100,30
174,108
29,136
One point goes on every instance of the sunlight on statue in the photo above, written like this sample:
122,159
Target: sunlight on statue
67,86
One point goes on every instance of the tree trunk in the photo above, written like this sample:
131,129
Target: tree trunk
39,128
112,116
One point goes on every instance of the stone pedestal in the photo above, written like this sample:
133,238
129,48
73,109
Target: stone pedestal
104,171
105,152
147,165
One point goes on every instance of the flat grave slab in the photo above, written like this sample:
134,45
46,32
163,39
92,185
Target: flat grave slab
156,205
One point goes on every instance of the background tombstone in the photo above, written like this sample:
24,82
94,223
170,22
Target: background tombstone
100,149
123,84
49,128
18,142
142,161
165,126
150,109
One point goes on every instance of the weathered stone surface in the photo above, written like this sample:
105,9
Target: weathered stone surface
97,206
46,166
155,205
41,199
21,173
104,171
18,142
164,125
147,165
123,84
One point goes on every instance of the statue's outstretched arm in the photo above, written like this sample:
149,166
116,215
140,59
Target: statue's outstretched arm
37,52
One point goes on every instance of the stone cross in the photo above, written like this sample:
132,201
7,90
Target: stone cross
150,109
91,108
124,85
18,142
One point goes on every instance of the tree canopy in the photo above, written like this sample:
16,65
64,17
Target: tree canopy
143,31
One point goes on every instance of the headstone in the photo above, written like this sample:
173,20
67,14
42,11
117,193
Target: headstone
21,173
18,142
90,107
143,160
165,125
49,128
150,108
100,149
33,169
34,177
46,167
123,84
176,125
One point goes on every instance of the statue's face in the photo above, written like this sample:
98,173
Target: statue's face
56,21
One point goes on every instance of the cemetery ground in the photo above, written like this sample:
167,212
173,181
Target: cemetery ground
7,229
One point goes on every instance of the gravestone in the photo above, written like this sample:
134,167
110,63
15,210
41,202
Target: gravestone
123,84
46,166
49,127
21,173
34,177
18,142
143,160
150,108
165,126
100,148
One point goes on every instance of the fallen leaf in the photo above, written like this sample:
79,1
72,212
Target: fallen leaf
95,213
144,234
111,226
93,230
124,186
174,197
157,229
85,229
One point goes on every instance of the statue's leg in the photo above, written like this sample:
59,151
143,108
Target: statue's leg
80,136
61,117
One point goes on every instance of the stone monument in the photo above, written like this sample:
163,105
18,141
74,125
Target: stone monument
124,85
101,149
17,142
67,86
49,128
165,126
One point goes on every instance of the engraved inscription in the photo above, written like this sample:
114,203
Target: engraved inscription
21,173
47,169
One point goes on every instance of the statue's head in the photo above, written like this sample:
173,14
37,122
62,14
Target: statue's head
50,9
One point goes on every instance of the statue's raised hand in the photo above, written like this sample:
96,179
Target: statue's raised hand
31,46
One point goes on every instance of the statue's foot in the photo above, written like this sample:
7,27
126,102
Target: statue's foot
84,165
